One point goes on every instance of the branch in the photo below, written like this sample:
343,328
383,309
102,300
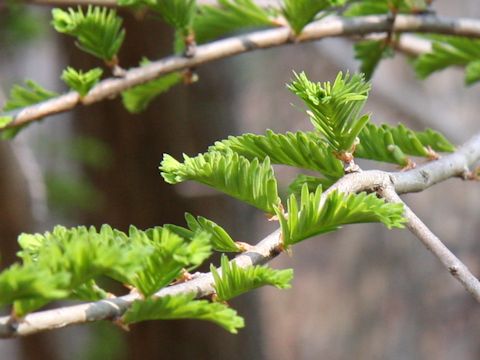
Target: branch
456,268
331,27
265,250
113,3
108,3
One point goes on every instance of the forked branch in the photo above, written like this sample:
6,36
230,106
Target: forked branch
330,27
458,269
397,182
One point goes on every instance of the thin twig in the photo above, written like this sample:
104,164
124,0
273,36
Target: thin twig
114,3
262,252
456,268
330,27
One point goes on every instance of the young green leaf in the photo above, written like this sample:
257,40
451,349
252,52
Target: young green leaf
472,72
138,97
219,238
369,53
29,282
98,31
316,215
30,94
367,7
5,120
374,7
184,307
334,109
312,183
176,13
301,149
170,254
251,182
234,280
301,12
393,144
81,81
212,22
22,96
84,254
449,51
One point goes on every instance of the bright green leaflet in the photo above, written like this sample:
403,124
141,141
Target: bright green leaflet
234,280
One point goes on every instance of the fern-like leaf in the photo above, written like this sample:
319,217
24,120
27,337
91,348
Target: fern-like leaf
81,81
312,183
251,182
184,307
177,13
334,108
5,120
315,215
28,282
375,7
219,238
449,51
234,280
299,13
369,53
30,94
22,96
231,15
82,254
170,254
139,97
302,149
98,30
393,144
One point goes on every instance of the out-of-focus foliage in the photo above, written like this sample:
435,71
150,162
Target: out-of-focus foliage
451,51
98,31
81,81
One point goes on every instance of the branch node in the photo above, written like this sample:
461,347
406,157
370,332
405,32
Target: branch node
453,270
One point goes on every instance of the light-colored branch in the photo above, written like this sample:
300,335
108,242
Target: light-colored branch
113,3
261,253
108,3
330,27
455,164
436,246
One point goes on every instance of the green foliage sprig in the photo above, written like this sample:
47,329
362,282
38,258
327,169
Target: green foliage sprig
301,12
212,22
19,97
304,150
184,307
81,81
139,97
30,94
451,51
65,263
393,144
334,108
169,255
98,31
234,280
252,182
219,238
376,7
370,52
315,215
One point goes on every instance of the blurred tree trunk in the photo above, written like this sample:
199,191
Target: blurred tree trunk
184,120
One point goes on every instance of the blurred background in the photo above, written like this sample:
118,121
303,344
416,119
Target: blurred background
360,293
